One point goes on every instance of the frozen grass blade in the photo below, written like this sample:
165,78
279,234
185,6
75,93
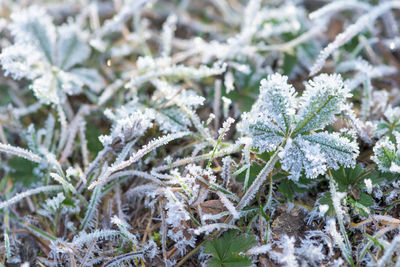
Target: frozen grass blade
21,196
20,152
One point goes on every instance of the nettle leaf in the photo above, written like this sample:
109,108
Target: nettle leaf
273,124
225,250
387,154
323,98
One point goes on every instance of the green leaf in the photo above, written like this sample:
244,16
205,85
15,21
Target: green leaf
289,188
353,178
92,136
4,96
225,250
366,200
254,171
23,171
289,62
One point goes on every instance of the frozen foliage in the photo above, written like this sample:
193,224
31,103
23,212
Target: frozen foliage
280,121
197,133
387,154
48,56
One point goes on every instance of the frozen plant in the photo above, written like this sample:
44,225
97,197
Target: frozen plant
48,55
141,133
387,154
291,128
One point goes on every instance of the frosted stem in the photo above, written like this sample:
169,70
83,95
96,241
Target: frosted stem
258,182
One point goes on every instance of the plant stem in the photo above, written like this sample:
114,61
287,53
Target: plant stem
258,182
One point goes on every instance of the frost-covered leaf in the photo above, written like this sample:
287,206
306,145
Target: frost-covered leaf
35,27
273,124
45,87
277,101
22,61
88,77
323,98
266,136
390,123
71,47
44,54
173,120
387,154
336,149
270,119
300,154
316,153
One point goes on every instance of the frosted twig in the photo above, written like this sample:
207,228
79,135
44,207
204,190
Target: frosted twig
84,149
217,103
320,27
64,126
84,238
73,129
